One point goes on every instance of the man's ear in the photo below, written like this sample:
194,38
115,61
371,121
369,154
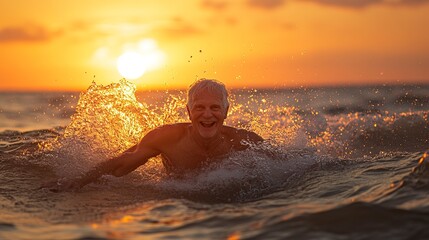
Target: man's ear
226,112
189,112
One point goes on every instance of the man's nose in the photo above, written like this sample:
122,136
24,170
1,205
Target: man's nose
207,113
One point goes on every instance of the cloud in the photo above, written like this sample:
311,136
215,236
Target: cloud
348,3
367,3
215,5
30,33
82,30
134,28
178,28
288,26
273,4
266,4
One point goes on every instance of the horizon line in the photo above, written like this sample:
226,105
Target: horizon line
315,86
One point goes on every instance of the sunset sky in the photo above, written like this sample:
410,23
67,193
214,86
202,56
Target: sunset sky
65,45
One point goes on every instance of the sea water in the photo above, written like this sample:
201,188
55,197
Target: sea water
337,163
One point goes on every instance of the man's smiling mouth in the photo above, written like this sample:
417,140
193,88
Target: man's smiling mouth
207,124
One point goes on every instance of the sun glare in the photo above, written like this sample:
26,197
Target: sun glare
146,56
131,65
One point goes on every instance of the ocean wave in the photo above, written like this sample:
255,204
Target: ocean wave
109,119
357,220
371,134
418,179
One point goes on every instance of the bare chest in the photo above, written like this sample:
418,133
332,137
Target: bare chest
186,155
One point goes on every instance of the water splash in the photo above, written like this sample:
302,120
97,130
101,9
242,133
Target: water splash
109,120
360,134
242,176
279,125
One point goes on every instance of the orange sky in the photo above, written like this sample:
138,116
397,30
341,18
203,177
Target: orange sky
65,45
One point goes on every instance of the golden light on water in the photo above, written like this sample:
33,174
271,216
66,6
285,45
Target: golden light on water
143,56
234,236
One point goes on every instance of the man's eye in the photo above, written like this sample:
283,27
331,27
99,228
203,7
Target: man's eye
199,108
216,108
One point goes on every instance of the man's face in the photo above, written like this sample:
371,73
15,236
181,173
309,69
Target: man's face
207,113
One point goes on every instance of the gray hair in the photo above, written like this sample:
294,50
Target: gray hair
212,86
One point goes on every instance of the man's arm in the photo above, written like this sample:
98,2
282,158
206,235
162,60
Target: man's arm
119,166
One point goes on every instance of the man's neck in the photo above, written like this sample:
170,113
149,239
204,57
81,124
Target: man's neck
207,144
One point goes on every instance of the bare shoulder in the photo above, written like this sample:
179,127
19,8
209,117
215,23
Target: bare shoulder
238,134
172,128
166,134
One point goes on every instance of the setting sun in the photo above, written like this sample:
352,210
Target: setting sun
145,56
131,65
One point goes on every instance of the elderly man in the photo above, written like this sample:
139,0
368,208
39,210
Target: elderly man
183,147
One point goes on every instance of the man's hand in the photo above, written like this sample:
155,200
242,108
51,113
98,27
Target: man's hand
61,185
